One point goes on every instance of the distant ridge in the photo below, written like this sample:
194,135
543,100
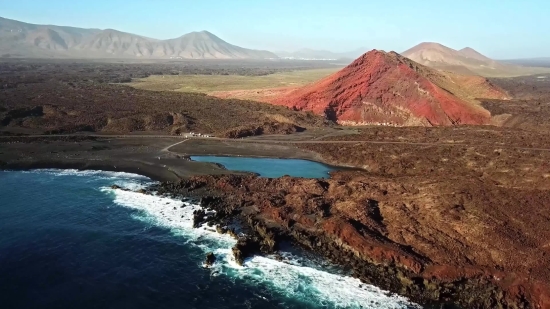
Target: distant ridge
464,61
438,55
469,52
19,39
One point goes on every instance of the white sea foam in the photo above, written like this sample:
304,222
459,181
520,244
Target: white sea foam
129,181
84,173
290,279
327,288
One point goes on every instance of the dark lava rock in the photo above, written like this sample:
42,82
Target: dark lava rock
198,218
210,259
244,248
209,201
342,219
221,230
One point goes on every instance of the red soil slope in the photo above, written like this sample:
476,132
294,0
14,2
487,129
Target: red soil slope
386,88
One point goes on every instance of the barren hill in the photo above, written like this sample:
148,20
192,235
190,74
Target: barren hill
442,57
116,43
205,45
387,88
18,39
471,53
464,61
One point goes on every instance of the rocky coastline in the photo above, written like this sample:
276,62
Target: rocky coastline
333,219
442,234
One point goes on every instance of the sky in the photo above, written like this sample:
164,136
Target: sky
500,29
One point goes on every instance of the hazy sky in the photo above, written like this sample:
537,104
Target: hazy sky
500,29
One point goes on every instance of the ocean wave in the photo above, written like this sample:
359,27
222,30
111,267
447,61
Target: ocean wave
126,180
329,289
292,279
88,173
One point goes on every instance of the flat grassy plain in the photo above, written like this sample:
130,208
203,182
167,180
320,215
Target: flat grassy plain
215,83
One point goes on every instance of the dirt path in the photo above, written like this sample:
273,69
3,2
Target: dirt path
167,149
289,141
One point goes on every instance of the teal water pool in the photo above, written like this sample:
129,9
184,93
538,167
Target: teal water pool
271,168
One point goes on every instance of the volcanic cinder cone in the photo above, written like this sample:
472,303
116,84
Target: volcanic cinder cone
389,89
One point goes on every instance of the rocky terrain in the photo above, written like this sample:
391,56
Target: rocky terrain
386,88
530,108
436,242
64,97
19,39
450,216
444,215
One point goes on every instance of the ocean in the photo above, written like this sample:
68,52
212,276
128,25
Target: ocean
67,240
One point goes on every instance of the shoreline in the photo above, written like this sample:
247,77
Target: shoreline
139,169
373,258
137,199
144,156
158,159
263,237
351,217
156,173
256,228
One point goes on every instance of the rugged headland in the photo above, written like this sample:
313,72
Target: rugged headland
431,241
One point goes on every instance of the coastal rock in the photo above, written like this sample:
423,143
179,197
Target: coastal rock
199,217
244,248
210,259
391,234
221,230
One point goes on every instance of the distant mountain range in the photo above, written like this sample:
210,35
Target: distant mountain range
19,39
312,54
465,61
